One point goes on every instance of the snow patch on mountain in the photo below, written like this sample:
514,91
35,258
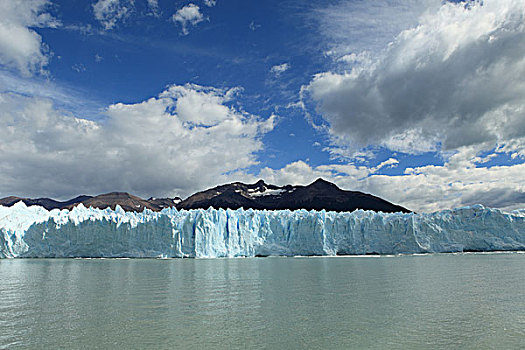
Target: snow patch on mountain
265,192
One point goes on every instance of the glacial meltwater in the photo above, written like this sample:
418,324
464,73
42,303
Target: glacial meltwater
438,301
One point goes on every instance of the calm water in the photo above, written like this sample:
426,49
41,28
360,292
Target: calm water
467,301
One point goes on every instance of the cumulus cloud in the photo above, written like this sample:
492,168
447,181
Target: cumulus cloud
453,80
186,139
210,3
110,12
277,70
21,48
457,183
189,15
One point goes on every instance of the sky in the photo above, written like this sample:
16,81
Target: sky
420,102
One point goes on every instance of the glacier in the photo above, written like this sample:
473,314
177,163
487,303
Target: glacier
34,232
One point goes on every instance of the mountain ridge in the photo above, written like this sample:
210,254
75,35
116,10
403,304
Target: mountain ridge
318,195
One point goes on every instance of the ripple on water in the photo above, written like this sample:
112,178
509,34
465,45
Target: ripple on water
446,301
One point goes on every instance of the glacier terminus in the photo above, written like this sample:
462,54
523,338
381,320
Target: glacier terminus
34,232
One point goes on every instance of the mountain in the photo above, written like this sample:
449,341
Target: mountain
47,203
319,195
127,201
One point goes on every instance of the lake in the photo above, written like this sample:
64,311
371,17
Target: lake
440,301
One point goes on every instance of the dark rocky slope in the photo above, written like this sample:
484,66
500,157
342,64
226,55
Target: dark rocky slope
47,203
318,195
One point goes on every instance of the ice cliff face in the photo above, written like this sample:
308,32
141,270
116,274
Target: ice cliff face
82,232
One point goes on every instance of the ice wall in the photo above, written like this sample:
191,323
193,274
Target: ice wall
87,232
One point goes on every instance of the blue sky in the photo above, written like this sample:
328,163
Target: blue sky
420,102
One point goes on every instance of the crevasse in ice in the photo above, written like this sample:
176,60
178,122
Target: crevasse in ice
87,232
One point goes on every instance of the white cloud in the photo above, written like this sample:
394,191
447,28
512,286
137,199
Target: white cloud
453,80
64,95
277,70
154,7
457,183
21,47
79,67
352,27
186,139
210,3
389,163
110,12
254,26
188,15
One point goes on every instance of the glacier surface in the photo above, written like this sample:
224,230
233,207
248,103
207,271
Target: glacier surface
87,232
